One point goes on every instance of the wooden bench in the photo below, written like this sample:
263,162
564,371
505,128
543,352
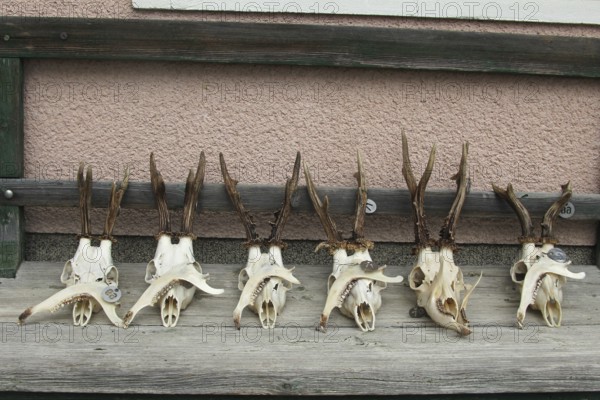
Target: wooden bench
204,354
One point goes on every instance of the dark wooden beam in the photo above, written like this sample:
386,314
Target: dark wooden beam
31,192
316,45
12,234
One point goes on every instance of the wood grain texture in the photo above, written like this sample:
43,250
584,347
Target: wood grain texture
30,192
12,235
204,354
316,45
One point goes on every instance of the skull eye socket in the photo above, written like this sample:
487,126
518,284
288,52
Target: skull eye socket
99,280
417,277
519,271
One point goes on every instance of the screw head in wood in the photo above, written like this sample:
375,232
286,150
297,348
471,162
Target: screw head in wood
8,194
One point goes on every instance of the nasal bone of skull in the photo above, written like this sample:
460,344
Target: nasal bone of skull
267,310
364,316
82,312
548,301
170,308
362,309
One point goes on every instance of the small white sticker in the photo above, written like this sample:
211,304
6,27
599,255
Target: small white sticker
371,206
567,211
111,294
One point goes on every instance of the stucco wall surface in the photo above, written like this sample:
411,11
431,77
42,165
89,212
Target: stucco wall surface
536,132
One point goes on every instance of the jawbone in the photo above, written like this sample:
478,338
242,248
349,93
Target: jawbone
172,285
354,289
438,282
542,286
86,275
265,290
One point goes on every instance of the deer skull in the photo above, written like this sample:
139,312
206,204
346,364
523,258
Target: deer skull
356,283
355,287
173,273
542,270
436,279
438,283
90,276
264,281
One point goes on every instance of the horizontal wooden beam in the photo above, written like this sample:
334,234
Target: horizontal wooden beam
31,192
316,45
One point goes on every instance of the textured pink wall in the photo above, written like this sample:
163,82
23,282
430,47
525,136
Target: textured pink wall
534,131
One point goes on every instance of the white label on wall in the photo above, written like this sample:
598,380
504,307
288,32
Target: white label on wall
557,11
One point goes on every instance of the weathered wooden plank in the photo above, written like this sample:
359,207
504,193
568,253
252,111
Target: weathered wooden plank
342,46
31,192
134,396
205,355
11,162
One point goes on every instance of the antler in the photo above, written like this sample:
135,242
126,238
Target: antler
245,216
85,199
116,195
417,194
158,187
527,234
282,214
462,181
550,216
192,190
358,232
334,237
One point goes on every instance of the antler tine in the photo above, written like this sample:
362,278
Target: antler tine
158,187
462,180
246,218
550,216
85,199
358,233
417,193
334,237
282,214
116,195
527,235
193,186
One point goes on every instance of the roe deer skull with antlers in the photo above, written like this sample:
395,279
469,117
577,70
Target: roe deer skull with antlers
173,273
436,279
542,271
356,283
91,276
264,281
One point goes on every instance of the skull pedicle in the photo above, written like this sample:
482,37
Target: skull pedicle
356,283
90,276
542,270
436,279
173,273
264,281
